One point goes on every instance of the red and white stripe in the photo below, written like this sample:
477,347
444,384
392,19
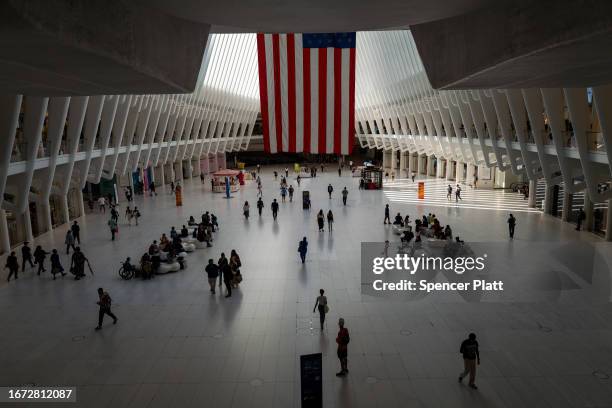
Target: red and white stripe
307,96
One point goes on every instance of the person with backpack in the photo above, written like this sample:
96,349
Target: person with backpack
12,265
212,272
291,190
344,195
302,249
112,225
69,241
283,192
76,232
77,263
321,305
471,357
39,258
342,340
56,265
104,301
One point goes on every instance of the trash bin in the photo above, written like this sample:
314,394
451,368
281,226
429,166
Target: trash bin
306,200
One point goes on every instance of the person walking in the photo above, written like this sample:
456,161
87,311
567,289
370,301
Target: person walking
299,179
114,213
321,305
56,265
344,195
449,192
387,215
413,175
202,178
258,168
259,190
330,221
291,190
226,273
172,187
275,175
104,301
102,204
458,193
76,232
303,249
77,263
283,192
39,258
12,265
511,225
471,357
136,214
581,216
26,256
152,188
339,171
129,215
212,271
321,220
245,209
274,209
342,339
69,241
260,205
330,190
112,225
286,172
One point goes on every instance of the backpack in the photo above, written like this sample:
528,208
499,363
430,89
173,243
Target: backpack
346,338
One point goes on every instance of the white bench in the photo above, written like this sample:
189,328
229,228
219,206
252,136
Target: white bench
168,267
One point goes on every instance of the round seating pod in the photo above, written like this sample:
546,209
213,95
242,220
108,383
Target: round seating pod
182,254
188,247
190,240
168,267
200,244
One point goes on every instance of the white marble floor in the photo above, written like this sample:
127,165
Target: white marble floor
547,343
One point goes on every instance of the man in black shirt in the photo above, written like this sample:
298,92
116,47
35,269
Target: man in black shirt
469,349
511,225
76,233
26,256
387,218
12,265
274,209
260,205
212,271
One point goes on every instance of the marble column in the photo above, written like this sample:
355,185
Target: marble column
5,240
27,223
588,212
566,215
82,202
65,209
531,200
609,221
402,165
548,198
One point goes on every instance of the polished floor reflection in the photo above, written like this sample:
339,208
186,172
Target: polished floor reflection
544,343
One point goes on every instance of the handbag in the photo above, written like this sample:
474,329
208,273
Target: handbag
326,309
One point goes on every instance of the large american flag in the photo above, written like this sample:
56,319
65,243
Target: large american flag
307,92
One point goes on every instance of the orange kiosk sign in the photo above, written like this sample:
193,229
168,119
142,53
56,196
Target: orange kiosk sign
421,190
179,196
